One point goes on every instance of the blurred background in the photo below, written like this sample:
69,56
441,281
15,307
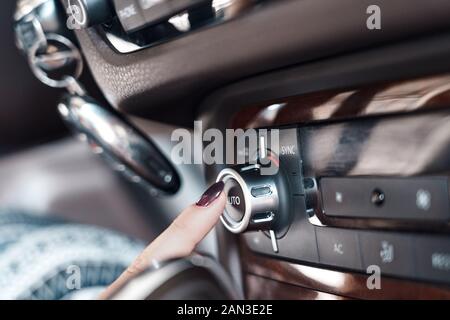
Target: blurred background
43,169
27,113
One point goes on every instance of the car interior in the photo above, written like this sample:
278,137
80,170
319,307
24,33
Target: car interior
347,101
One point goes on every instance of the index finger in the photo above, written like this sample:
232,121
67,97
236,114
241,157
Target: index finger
181,237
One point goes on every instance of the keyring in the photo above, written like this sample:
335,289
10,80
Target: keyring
72,53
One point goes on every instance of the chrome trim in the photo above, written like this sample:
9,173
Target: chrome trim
144,285
262,147
260,187
314,204
251,167
268,218
119,142
273,240
55,60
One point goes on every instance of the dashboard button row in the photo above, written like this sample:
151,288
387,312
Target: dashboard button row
403,255
338,248
416,257
411,198
393,253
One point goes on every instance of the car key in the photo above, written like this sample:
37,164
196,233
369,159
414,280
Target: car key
56,61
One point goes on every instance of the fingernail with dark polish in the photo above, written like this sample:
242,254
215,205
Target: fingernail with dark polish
211,194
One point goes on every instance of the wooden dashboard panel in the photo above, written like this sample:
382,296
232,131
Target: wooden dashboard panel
259,288
305,282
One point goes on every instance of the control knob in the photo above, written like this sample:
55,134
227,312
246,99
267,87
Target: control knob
255,201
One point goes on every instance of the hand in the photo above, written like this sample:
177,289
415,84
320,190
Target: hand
181,237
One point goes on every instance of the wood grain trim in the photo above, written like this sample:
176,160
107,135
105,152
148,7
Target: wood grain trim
395,97
259,288
335,283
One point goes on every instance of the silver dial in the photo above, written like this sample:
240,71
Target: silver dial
252,200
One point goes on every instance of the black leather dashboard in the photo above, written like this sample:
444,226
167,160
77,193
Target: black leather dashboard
167,82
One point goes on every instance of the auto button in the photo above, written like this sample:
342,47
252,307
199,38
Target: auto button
253,202
235,206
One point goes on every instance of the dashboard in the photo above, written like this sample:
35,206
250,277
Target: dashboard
359,206
362,117
364,189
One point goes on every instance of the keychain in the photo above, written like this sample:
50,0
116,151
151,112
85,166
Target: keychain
58,63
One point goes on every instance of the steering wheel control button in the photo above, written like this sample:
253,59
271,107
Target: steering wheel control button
415,198
141,161
338,247
273,240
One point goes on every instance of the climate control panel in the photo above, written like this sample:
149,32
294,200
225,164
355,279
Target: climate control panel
351,195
